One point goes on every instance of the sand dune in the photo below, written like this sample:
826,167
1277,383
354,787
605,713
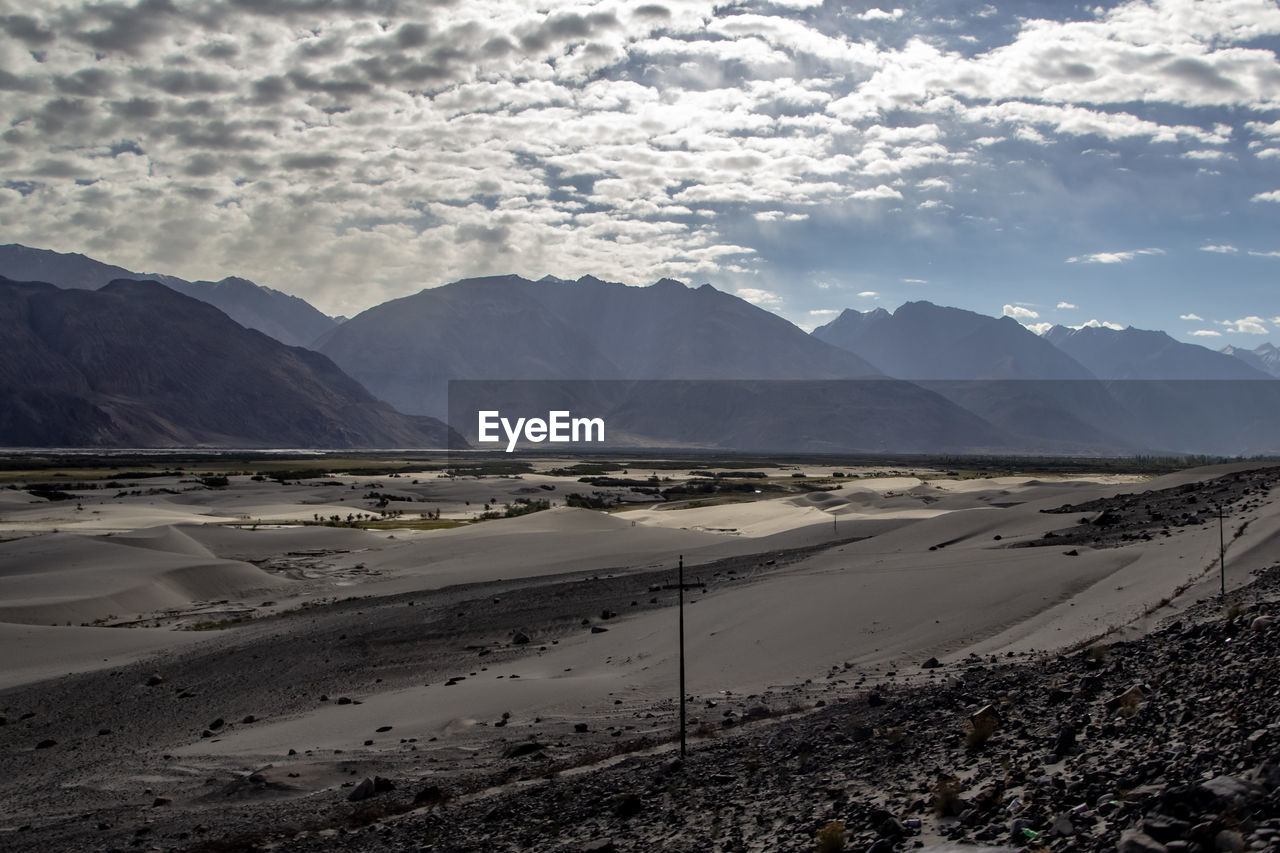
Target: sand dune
943,585
67,578
38,652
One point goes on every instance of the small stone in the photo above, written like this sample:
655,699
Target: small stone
432,795
1131,698
628,807
522,749
155,679
47,744
363,791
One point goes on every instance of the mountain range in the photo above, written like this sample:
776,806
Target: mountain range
286,318
1265,357
669,364
136,364
505,327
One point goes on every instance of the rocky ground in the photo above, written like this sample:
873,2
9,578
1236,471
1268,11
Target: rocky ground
1170,743
1141,516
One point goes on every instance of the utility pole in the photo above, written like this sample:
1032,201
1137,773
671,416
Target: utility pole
1222,557
683,748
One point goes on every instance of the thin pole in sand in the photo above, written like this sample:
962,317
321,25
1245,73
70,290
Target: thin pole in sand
683,748
1222,556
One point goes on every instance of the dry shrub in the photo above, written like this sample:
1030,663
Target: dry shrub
831,837
945,793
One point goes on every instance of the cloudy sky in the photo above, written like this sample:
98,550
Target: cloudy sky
1059,162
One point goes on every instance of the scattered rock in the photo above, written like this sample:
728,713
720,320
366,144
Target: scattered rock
1130,699
432,795
522,749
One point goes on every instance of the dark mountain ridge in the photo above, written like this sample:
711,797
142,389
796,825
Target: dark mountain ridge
136,364
288,319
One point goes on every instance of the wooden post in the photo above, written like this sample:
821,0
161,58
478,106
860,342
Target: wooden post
1222,557
683,747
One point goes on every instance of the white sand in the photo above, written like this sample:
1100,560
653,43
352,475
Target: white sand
931,580
885,600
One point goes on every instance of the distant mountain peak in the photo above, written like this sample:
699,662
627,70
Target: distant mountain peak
1132,353
1264,357
288,319
922,341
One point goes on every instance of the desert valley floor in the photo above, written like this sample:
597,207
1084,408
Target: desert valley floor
192,663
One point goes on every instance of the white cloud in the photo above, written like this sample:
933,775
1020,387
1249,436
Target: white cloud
1066,306
879,192
626,141
1271,254
756,296
1113,257
1264,129
1250,325
869,294
1195,317
1039,328
1100,324
1223,249
915,281
879,15
824,312
1019,313
1205,333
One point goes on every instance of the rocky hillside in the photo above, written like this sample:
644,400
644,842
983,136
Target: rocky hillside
135,364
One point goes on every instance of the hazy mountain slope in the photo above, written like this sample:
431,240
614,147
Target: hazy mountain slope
138,364
286,318
1265,357
1139,354
921,340
507,327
